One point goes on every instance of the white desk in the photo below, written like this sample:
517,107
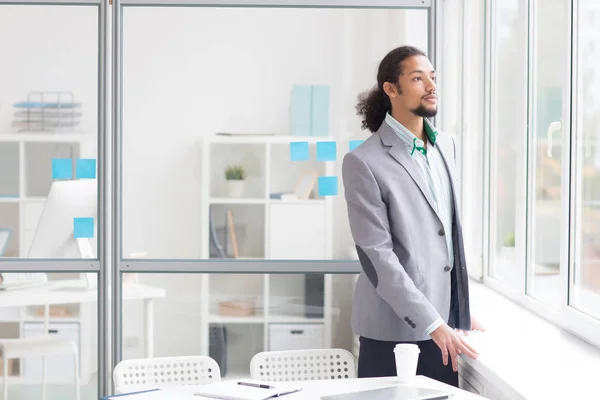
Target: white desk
313,390
51,294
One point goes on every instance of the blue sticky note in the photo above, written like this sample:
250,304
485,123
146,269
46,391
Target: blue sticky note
326,151
62,168
83,228
320,110
328,185
300,110
355,143
85,168
299,151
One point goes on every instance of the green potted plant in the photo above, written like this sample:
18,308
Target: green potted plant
236,180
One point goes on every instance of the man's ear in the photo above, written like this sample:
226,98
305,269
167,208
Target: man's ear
391,90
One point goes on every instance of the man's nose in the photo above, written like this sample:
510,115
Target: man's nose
431,86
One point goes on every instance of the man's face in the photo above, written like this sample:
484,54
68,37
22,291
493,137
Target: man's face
416,86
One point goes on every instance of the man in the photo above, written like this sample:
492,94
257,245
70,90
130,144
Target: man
401,196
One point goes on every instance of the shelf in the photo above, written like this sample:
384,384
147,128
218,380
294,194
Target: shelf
233,200
41,137
292,202
264,139
289,319
219,319
9,199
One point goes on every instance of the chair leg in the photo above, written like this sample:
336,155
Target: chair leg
77,387
5,377
43,378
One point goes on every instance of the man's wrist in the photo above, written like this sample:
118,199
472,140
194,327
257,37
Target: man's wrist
436,324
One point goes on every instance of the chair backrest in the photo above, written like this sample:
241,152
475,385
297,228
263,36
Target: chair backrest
303,365
150,373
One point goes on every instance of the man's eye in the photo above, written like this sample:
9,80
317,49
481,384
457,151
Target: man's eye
433,78
418,78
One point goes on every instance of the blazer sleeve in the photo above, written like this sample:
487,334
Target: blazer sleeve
370,229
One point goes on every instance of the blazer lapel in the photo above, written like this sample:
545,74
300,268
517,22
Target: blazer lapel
398,152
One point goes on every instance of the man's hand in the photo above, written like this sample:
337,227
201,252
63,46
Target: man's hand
451,344
475,326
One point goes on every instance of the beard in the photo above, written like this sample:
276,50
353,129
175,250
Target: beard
422,111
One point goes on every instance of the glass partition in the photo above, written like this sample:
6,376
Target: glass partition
68,318
231,317
233,139
49,77
51,115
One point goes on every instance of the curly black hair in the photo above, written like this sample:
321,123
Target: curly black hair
374,104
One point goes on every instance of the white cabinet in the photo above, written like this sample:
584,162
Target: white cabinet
59,368
295,336
297,231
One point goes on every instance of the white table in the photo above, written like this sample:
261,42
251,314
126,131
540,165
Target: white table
314,390
50,294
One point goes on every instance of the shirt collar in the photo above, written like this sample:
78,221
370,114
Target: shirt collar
412,142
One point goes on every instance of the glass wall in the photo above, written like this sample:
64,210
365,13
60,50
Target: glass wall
48,130
225,106
234,154
232,317
50,119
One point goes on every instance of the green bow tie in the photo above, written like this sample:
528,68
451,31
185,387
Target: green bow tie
423,150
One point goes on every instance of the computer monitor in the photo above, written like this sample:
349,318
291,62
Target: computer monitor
54,237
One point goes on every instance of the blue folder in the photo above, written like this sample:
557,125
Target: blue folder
320,110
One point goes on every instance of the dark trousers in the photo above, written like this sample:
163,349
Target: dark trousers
376,358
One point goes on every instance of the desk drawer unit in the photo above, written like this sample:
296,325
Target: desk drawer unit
59,368
295,336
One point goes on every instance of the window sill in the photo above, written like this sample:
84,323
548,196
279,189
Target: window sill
526,357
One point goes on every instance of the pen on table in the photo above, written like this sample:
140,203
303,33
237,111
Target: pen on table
257,385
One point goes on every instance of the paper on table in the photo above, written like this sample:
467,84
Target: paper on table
232,390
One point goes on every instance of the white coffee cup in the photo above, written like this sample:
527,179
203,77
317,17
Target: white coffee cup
407,358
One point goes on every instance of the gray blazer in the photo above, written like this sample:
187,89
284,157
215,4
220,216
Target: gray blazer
407,282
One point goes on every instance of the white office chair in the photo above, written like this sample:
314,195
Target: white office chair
303,365
150,373
44,346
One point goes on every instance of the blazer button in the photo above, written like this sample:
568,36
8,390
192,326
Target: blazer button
447,268
441,232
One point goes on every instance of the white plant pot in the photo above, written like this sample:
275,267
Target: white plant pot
235,187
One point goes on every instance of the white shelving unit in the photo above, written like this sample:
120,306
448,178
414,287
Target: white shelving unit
32,154
26,164
266,228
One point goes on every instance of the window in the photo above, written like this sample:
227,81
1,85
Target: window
549,152
585,294
508,141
